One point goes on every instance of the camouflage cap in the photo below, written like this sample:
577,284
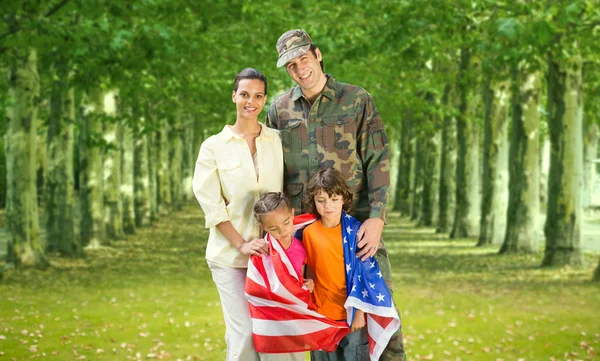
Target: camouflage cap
292,44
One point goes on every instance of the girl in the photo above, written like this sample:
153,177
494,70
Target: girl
275,214
233,168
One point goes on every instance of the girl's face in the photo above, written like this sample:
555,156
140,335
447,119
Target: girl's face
280,224
329,208
249,98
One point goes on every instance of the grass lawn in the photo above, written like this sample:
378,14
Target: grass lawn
151,297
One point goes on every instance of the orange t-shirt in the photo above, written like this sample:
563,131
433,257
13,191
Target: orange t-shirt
325,255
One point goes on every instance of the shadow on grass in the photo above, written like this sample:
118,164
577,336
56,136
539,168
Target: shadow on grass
170,251
420,256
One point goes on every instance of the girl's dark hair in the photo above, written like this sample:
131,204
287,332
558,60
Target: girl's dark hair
249,73
312,50
330,181
269,202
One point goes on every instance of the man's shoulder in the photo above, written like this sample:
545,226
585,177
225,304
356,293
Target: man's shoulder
344,90
282,99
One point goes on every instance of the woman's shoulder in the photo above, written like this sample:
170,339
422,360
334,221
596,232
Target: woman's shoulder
269,131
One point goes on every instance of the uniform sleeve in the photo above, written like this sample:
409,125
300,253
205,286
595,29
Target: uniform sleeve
207,187
375,153
271,119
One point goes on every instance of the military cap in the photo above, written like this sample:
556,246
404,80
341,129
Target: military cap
292,44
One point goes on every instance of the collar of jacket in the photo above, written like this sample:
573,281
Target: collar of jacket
328,91
228,134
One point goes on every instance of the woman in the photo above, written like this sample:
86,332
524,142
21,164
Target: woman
234,168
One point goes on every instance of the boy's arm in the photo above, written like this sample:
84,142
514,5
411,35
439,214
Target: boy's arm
359,321
309,275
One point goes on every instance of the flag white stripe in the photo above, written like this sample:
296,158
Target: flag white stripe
369,308
253,274
298,307
287,328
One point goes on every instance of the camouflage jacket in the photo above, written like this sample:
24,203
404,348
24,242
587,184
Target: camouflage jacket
343,130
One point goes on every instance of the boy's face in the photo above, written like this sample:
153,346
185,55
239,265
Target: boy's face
329,208
280,224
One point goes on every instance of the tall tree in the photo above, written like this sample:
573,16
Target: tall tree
467,164
496,103
59,195
523,200
127,180
24,246
564,212
447,187
91,175
112,167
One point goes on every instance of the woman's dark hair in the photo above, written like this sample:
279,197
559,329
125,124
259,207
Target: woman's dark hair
249,73
269,202
330,181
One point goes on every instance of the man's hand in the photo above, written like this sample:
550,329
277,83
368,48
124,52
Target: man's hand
369,235
258,247
310,284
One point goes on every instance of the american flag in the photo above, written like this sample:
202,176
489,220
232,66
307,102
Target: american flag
283,317
367,291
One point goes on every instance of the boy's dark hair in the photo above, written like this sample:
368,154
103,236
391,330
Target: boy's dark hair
330,181
249,73
269,202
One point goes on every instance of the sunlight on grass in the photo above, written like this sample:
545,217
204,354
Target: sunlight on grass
152,297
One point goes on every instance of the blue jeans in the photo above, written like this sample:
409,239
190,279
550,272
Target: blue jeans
353,347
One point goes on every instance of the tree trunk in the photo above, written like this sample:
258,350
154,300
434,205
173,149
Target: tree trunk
435,177
112,168
416,179
428,180
189,159
163,179
24,245
91,176
565,183
153,144
127,180
590,152
596,277
447,188
176,136
493,211
141,172
523,204
467,165
60,226
402,202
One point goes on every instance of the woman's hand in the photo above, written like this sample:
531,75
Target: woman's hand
310,284
359,321
257,247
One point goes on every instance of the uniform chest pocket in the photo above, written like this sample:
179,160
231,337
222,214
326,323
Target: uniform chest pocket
293,136
339,132
230,171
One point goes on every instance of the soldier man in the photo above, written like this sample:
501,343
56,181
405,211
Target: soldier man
324,123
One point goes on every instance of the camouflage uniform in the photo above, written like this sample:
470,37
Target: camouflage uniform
342,129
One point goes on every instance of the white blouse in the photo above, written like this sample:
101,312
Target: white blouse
226,186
